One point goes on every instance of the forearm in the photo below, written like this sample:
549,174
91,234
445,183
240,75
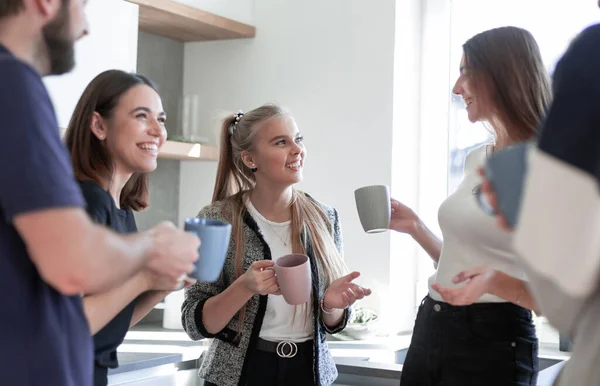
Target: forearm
145,304
512,290
107,250
428,241
334,318
101,308
220,309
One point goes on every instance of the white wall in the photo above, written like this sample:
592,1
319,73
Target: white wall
238,10
332,64
112,43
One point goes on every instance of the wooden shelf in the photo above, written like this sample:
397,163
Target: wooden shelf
184,151
188,24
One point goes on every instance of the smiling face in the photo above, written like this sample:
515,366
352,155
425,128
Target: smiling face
278,153
135,130
477,108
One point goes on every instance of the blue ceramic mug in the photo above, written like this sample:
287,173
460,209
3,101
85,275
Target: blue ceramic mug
214,242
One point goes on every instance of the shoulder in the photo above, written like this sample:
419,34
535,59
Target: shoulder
329,210
19,79
582,58
95,196
588,38
25,103
476,157
220,210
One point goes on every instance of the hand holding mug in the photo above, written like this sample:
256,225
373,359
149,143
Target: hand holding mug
403,219
488,192
173,252
260,278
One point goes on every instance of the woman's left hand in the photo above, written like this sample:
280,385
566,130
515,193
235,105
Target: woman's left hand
478,284
342,293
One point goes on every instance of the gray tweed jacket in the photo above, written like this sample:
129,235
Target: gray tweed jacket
225,363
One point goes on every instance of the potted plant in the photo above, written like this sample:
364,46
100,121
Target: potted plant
362,324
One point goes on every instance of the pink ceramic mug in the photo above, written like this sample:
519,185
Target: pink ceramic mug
294,278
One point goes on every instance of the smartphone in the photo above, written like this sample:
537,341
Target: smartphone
506,171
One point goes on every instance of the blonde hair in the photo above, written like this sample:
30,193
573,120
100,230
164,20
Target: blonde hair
234,178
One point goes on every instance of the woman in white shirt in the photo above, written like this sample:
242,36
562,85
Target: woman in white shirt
259,339
475,325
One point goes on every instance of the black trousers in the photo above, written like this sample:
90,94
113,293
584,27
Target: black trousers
269,369
485,344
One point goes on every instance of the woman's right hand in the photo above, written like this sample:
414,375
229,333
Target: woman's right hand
260,278
403,219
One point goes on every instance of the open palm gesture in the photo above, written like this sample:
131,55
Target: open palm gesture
342,293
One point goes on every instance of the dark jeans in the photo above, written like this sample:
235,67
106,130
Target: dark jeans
268,369
485,344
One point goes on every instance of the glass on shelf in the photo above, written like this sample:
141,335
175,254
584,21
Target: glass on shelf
190,126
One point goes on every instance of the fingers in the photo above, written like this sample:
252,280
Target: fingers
262,264
359,291
351,296
272,290
269,286
346,299
269,282
448,294
453,296
180,285
351,276
467,274
265,275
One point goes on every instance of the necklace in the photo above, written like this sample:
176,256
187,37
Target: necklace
262,219
283,240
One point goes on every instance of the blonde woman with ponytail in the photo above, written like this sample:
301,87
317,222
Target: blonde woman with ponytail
258,338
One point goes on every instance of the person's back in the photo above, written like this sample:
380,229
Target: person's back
40,324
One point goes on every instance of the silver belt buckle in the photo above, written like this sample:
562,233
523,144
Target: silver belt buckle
286,349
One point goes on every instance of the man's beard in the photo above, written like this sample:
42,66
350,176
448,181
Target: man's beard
60,48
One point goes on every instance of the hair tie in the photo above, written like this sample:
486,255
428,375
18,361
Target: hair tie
237,116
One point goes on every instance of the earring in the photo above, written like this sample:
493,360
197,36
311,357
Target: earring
254,169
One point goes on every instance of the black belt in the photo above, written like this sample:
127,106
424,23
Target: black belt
284,349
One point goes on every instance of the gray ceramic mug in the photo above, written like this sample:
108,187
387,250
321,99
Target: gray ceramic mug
374,207
214,242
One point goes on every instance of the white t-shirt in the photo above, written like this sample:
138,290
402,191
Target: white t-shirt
471,237
282,321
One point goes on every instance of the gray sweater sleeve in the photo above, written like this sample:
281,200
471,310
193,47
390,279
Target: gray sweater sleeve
338,240
197,294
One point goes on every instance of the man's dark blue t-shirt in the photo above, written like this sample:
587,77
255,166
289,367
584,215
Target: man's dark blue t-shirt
44,336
